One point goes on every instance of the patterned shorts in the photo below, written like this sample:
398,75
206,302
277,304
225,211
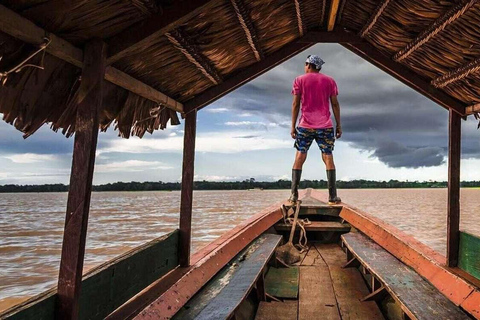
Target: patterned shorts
325,139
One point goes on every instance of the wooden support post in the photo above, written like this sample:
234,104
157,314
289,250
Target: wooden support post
78,204
187,188
453,216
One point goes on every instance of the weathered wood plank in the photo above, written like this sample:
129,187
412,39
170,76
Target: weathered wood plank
316,296
418,298
469,259
286,310
313,258
187,188
316,226
348,285
107,286
453,207
200,300
78,204
282,282
206,263
224,304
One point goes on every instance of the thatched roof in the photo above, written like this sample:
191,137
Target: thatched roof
184,54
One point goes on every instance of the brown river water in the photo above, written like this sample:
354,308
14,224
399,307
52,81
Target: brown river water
31,225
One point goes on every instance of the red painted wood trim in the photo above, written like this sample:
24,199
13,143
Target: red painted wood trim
89,100
453,207
424,260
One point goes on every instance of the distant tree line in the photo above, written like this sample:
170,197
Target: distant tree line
236,185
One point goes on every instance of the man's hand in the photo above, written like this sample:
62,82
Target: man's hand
339,132
293,133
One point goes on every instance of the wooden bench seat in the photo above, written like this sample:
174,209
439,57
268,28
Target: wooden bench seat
316,226
417,297
223,294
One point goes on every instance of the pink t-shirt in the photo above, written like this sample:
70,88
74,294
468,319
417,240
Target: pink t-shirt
315,90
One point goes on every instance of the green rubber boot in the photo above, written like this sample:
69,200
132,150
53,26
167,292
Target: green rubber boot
332,189
296,175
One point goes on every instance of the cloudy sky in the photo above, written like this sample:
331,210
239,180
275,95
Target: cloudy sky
390,132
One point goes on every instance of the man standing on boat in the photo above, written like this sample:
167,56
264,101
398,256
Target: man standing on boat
314,90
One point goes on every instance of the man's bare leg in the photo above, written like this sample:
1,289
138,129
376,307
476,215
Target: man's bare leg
331,178
296,174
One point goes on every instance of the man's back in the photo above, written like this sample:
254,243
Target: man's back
315,90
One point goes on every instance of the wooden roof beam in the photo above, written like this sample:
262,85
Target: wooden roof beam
457,74
405,75
473,109
333,14
298,11
249,73
191,52
436,27
23,29
374,18
247,26
147,31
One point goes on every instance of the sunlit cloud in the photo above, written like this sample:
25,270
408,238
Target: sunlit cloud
30,157
131,166
216,110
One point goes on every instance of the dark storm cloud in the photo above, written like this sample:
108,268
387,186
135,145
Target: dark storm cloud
379,114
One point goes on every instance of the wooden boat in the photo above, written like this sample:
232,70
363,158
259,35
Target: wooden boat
137,63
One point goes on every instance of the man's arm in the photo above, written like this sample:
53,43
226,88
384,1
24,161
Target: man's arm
336,113
295,110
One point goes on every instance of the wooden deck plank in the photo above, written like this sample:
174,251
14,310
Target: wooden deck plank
224,304
286,310
316,226
316,296
282,282
253,257
313,258
348,285
418,298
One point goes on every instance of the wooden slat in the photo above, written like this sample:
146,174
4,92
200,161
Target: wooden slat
418,298
237,278
187,188
333,14
145,32
125,81
348,285
107,286
250,73
205,264
186,46
453,206
224,304
316,296
316,226
248,27
374,18
405,75
282,282
468,257
473,109
424,260
17,26
457,74
436,27
79,193
312,258
286,310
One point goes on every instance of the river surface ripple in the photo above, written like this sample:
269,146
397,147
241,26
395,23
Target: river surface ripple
31,225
